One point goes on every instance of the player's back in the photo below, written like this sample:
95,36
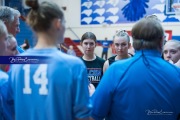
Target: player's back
54,91
147,90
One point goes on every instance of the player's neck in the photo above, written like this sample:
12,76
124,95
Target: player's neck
44,41
41,45
119,57
89,57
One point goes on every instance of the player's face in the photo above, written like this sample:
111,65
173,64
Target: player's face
13,28
170,52
3,44
88,46
121,46
11,48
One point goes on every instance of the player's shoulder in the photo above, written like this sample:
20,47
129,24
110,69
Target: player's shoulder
106,64
122,63
54,56
112,58
68,59
100,59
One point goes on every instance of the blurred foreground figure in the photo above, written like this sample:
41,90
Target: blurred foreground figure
144,87
55,90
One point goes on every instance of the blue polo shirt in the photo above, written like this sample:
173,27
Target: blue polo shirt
144,87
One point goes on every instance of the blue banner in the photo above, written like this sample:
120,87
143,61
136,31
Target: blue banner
127,11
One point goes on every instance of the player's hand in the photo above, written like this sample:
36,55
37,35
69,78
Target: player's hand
91,89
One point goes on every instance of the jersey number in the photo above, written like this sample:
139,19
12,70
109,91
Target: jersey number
40,77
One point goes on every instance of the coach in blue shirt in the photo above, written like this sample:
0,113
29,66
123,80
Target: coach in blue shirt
105,45
144,87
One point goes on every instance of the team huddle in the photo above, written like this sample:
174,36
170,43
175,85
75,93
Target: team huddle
144,85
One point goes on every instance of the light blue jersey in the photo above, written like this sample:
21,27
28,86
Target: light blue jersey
3,77
144,87
54,91
6,109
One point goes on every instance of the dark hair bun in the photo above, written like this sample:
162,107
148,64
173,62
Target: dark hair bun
33,4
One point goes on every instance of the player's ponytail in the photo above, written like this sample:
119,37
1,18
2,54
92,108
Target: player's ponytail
33,4
41,15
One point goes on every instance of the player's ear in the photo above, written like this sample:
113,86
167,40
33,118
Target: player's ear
57,24
129,45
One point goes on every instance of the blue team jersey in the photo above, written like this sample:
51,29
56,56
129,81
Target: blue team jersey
144,87
6,109
3,77
54,91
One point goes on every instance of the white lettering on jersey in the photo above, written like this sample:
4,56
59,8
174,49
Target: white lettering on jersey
40,77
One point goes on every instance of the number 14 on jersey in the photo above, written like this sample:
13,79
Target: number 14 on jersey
39,78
